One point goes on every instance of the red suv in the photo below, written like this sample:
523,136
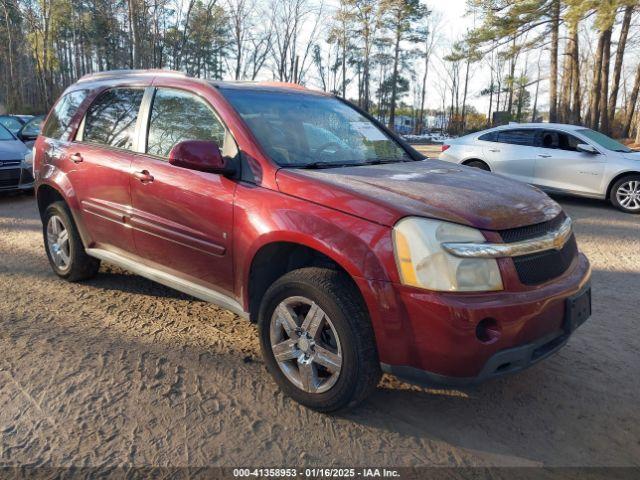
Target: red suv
293,208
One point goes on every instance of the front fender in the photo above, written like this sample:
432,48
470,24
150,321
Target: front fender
362,248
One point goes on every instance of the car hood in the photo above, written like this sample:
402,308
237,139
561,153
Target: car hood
12,150
429,188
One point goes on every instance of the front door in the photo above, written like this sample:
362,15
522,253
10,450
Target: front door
560,166
102,154
183,219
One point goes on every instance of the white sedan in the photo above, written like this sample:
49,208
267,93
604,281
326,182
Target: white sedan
557,158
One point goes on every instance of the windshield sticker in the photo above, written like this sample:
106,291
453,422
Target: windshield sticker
368,131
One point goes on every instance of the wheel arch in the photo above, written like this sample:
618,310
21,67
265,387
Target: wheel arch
613,181
466,162
276,257
48,193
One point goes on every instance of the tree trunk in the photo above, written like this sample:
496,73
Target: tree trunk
567,82
577,104
464,98
423,93
622,43
604,96
394,79
594,108
553,74
631,105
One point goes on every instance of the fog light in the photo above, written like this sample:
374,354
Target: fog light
488,330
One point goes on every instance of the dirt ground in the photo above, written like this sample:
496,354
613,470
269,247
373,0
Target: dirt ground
119,370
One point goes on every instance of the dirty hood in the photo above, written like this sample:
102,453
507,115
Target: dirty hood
429,188
12,150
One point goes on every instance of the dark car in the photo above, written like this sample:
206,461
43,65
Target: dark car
15,163
293,208
30,130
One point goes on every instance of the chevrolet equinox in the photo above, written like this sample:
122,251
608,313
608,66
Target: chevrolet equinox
293,208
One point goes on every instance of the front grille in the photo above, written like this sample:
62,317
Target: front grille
10,163
9,177
541,267
532,231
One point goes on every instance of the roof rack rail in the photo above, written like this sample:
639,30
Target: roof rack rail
129,73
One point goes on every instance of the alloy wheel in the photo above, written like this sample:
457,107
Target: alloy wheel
305,344
628,195
58,242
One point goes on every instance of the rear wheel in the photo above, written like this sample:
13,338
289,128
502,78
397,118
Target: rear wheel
317,339
625,194
478,164
64,247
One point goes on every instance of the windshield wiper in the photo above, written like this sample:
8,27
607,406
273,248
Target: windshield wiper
386,160
319,165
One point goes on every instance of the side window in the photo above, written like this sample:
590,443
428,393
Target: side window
557,140
489,137
61,115
111,119
523,136
177,116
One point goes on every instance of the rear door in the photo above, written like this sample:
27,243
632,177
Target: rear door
511,153
102,154
183,219
560,166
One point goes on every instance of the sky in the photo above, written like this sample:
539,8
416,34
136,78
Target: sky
452,26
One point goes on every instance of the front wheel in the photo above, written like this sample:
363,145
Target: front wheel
625,194
317,340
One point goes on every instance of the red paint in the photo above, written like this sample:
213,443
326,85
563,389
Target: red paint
207,228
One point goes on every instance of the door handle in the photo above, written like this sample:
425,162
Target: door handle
494,150
76,158
144,176
544,155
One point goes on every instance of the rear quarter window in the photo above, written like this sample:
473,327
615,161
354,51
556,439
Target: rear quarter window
60,118
489,137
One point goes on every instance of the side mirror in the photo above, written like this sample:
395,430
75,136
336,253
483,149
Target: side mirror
201,155
586,148
25,136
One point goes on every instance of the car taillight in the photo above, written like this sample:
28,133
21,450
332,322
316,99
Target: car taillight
444,147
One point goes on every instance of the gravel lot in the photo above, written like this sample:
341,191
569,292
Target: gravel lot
120,370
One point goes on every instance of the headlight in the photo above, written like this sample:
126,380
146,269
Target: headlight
27,160
422,262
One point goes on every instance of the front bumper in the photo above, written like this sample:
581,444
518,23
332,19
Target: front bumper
503,362
430,337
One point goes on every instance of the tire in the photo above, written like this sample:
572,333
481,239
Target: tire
66,254
478,164
625,194
344,330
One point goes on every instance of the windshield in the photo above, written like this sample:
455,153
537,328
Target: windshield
11,124
5,134
604,141
308,130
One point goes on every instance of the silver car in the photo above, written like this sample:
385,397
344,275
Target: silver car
557,158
